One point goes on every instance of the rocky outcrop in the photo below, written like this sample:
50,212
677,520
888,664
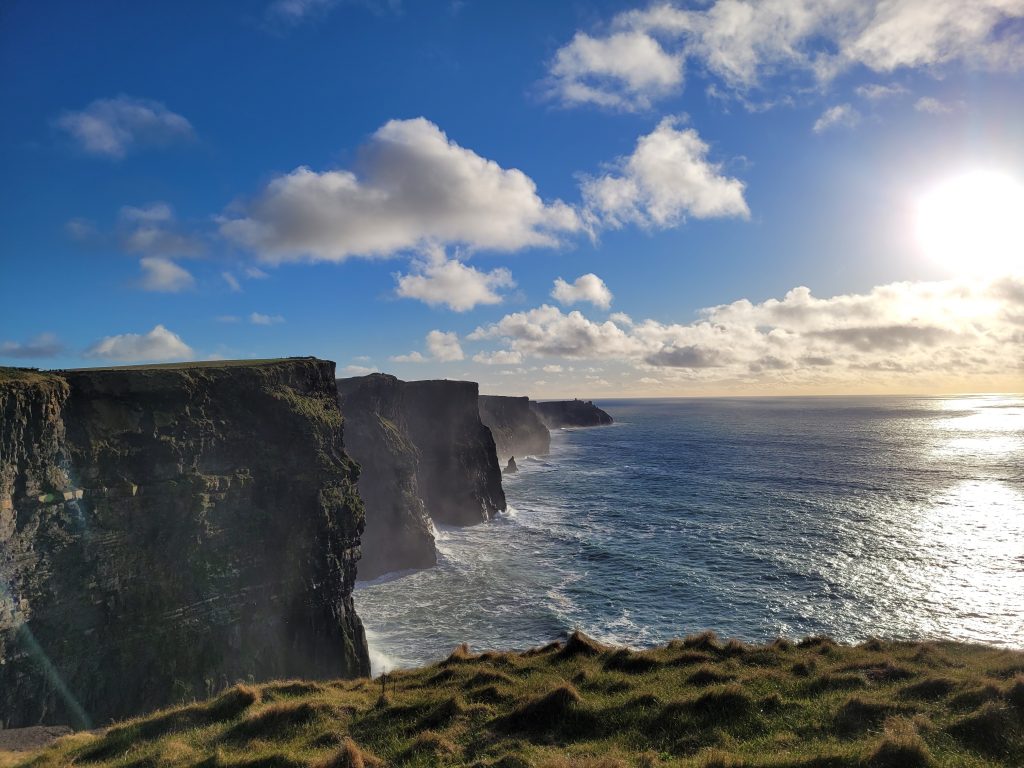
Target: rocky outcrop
166,530
511,468
398,532
423,451
570,413
516,428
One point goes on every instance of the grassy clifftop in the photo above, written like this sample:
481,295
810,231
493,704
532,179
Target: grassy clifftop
694,702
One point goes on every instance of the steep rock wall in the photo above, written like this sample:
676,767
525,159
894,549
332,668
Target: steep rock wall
570,413
458,474
398,533
168,530
516,428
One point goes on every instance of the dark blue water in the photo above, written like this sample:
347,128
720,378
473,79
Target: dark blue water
894,517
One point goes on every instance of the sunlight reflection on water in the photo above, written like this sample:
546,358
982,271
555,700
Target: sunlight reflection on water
896,517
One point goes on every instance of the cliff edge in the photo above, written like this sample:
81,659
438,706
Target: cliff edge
515,426
398,533
166,530
424,454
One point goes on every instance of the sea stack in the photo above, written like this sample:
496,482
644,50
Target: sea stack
167,529
511,467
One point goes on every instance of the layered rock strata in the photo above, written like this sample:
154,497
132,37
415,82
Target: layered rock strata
166,530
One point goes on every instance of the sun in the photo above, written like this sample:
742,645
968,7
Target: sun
974,223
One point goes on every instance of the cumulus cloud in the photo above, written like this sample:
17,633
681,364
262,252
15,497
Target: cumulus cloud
625,70
164,276
588,287
743,43
839,116
115,127
437,280
937,329
443,347
415,187
359,370
667,178
159,344
257,318
43,345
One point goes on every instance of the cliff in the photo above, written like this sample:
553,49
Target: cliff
516,428
424,454
459,475
398,533
165,530
570,413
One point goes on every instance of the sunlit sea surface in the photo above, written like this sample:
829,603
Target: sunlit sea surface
896,517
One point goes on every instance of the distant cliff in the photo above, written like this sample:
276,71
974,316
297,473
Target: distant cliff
169,529
516,428
398,533
570,413
422,450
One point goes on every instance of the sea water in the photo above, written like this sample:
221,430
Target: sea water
895,517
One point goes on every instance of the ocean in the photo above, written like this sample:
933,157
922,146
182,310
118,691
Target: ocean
895,517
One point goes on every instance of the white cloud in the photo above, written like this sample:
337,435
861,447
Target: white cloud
552,369
929,330
841,115
438,280
744,43
159,344
43,345
879,92
257,318
500,357
416,188
164,276
620,318
232,281
442,346
588,287
933,106
667,178
255,273
626,70
114,127
412,357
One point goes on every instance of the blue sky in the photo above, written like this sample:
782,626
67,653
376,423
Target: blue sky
730,191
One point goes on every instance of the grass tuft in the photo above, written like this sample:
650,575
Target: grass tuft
901,746
580,644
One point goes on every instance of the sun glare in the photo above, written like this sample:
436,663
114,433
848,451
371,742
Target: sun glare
974,224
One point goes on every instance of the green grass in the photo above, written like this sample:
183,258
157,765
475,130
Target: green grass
692,702
187,365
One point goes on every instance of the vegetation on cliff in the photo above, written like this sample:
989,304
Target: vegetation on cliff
693,702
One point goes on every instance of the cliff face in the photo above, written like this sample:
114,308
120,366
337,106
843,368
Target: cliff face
459,476
398,533
424,455
570,413
516,428
167,530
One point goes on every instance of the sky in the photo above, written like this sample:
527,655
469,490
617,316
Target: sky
592,199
